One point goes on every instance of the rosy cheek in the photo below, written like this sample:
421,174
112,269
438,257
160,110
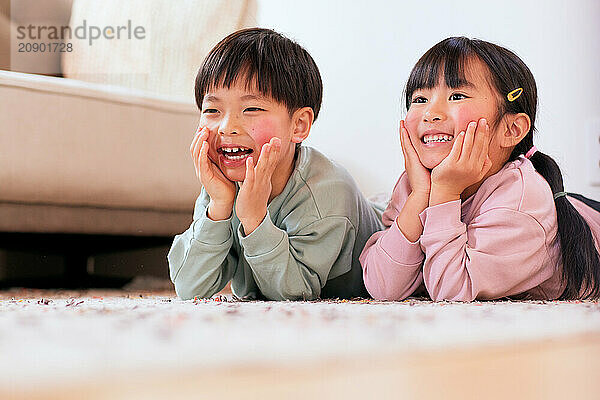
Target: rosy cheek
262,131
464,115
411,122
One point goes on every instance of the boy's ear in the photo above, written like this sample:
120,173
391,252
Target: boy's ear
517,127
301,123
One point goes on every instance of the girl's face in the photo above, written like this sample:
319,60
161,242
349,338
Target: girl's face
437,115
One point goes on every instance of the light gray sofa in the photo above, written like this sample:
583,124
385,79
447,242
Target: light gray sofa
96,177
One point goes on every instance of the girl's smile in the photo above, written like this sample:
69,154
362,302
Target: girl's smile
437,115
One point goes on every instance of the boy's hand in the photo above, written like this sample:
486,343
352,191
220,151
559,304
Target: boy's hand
467,163
253,196
419,177
220,189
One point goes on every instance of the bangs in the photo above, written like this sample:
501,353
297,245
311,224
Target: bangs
264,61
244,68
450,58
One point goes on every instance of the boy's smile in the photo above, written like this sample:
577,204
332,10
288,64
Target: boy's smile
241,121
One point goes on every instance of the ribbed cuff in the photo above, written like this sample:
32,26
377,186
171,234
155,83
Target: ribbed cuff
212,232
441,217
264,239
398,247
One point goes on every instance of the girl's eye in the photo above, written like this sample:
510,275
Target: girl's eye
457,96
253,109
419,99
209,111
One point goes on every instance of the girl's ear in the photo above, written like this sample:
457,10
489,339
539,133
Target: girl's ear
301,123
517,127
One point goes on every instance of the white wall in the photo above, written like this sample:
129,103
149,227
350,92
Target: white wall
365,50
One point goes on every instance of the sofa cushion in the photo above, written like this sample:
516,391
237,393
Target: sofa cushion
177,36
72,143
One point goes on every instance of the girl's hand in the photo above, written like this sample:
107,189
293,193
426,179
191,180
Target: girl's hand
467,163
220,189
253,197
419,177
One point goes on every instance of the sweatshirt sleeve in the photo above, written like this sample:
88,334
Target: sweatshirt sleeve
500,253
391,263
201,259
296,267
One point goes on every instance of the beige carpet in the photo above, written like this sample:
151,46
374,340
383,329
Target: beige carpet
139,344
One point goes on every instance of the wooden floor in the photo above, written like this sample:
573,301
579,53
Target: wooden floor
566,368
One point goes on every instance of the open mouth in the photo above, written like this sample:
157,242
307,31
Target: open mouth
235,153
437,138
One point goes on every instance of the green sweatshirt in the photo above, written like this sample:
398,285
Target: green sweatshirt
306,247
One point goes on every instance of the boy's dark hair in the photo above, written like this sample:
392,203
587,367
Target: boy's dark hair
275,65
581,261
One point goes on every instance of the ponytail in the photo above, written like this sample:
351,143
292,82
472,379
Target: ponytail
580,258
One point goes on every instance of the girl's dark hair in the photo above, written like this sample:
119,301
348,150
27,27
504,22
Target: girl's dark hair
581,261
266,60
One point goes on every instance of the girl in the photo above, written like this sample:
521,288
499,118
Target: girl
479,213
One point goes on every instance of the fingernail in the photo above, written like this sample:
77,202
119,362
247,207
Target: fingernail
472,124
483,121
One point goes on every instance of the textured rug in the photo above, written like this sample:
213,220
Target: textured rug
54,340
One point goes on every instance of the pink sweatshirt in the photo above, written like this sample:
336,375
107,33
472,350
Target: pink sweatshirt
499,242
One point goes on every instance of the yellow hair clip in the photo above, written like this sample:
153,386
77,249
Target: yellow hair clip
512,96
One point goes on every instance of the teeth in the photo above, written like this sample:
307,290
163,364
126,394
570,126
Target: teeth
233,149
437,138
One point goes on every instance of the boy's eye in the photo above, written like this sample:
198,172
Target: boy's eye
419,99
457,96
253,109
209,111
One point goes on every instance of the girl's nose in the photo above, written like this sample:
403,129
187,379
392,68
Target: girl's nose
432,116
434,112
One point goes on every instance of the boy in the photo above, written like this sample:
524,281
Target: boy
278,219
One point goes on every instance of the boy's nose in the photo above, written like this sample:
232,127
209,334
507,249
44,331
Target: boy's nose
228,126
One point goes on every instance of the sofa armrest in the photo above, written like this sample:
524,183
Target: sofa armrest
67,142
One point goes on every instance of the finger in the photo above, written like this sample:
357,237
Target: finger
261,165
409,147
485,142
401,134
194,141
468,139
198,161
196,154
478,141
198,136
457,147
274,156
203,161
197,142
249,178
402,143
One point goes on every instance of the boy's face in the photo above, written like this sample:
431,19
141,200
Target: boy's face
241,121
